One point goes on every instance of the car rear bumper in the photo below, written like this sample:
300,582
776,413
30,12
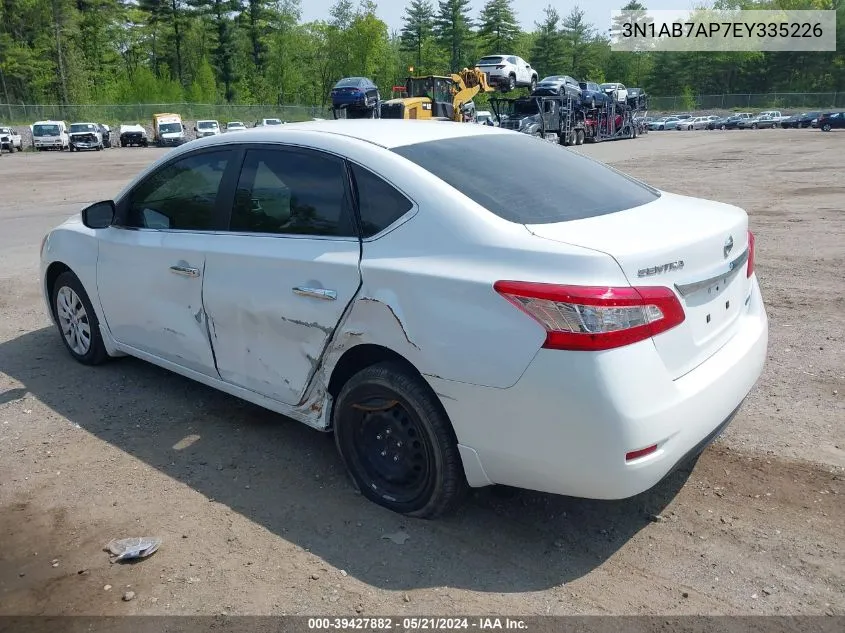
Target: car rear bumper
566,426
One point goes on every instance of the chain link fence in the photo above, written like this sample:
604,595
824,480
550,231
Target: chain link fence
770,101
23,114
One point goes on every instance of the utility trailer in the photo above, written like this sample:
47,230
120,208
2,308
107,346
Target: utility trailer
550,118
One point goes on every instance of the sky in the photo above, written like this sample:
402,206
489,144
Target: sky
528,11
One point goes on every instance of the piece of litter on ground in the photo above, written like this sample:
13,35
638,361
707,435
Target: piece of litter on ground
106,587
132,548
397,537
129,595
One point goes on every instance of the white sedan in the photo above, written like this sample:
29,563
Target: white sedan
551,324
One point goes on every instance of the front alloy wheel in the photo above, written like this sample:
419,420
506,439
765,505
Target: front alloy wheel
397,442
76,321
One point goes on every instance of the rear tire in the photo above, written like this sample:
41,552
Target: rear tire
76,320
397,443
826,127
511,82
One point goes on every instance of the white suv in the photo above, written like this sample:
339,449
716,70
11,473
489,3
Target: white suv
508,71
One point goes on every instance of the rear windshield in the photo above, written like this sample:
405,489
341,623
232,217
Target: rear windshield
83,127
207,124
489,61
533,182
349,81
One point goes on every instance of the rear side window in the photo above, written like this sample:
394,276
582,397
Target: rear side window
532,182
380,204
297,192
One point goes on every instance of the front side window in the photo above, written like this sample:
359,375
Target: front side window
379,203
181,195
296,192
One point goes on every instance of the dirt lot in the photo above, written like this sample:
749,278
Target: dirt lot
257,516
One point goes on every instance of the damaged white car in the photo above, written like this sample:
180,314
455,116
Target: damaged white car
550,324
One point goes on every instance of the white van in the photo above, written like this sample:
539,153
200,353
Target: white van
50,135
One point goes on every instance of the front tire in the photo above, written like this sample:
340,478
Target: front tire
397,443
826,127
76,320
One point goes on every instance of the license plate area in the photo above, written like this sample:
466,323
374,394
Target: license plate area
715,307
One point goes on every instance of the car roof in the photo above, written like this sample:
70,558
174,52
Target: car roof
382,132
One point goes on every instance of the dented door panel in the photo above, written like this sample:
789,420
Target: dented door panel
150,286
272,304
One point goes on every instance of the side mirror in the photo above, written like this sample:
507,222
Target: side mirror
99,215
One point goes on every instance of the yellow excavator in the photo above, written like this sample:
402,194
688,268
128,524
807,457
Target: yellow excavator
446,98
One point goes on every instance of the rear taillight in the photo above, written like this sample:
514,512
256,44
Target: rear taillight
750,253
590,318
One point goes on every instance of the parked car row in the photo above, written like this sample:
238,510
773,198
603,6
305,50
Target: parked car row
771,119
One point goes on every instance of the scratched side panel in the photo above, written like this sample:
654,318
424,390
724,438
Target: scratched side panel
265,337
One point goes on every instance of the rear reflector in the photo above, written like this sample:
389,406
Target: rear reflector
591,318
750,253
648,450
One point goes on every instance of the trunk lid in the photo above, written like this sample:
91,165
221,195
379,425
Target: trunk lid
696,247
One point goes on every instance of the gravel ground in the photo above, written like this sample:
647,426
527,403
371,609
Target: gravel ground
257,516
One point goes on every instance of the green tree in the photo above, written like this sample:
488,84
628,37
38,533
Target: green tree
547,53
418,28
577,35
217,14
453,29
168,13
498,29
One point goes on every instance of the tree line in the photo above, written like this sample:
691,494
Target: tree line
261,52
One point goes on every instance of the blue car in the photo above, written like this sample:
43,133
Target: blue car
592,95
357,92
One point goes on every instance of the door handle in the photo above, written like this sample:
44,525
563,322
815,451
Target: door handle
316,293
188,271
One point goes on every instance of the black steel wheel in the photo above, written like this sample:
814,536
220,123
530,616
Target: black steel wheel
397,442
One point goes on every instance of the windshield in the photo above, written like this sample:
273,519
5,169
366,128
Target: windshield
554,78
525,108
235,124
438,89
490,61
45,130
207,125
83,127
273,122
5,130
533,183
168,128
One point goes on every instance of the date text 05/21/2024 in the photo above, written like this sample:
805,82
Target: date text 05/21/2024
416,623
